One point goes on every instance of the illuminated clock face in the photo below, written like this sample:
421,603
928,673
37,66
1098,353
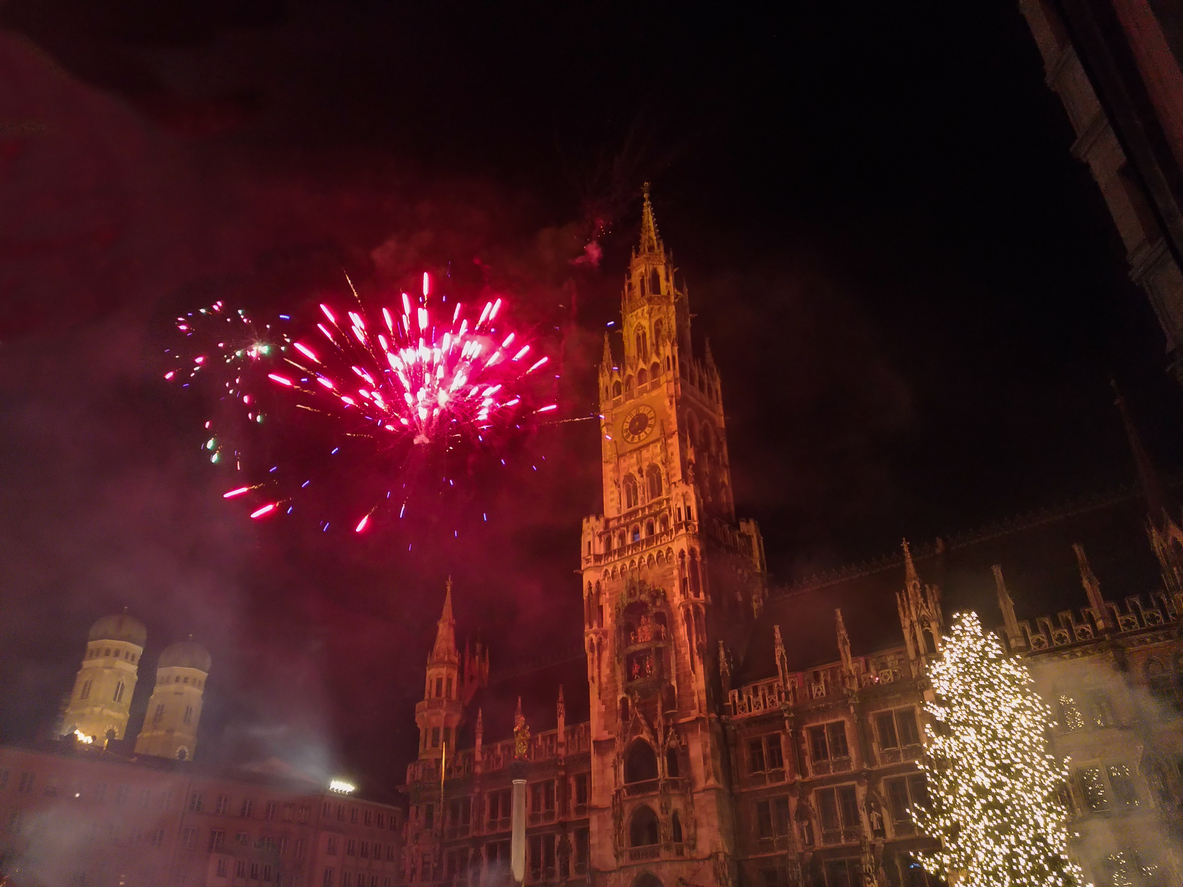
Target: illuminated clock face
638,423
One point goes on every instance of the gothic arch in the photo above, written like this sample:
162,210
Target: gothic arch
642,827
647,879
632,493
640,762
650,527
642,345
675,828
616,389
655,369
658,333
655,283
642,377
628,384
653,481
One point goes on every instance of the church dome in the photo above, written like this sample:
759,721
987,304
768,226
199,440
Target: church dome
185,654
119,627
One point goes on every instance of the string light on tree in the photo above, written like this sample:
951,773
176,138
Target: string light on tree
994,787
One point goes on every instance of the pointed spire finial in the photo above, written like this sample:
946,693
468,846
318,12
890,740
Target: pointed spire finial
910,577
445,635
1091,586
650,239
1007,606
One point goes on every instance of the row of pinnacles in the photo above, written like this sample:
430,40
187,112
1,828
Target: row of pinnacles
99,706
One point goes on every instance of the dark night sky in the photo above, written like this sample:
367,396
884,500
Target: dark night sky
913,291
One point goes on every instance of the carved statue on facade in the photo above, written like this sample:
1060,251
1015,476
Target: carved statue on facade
521,735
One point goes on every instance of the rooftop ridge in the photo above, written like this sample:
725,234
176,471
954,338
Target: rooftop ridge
974,536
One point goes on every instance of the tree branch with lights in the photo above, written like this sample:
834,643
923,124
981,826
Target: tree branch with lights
994,789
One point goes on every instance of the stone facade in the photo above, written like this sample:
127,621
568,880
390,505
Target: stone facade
737,738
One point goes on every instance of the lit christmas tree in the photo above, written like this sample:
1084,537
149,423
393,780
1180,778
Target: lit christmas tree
993,787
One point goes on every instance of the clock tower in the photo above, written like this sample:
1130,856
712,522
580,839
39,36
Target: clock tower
671,584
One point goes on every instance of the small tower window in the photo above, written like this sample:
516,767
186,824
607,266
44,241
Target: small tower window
653,481
655,283
188,714
158,715
439,686
642,343
632,496
119,692
448,692
85,694
435,737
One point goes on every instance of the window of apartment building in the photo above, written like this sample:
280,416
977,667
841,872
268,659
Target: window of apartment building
240,869
364,850
827,745
247,811
346,879
303,812
542,797
459,814
838,811
390,856
541,857
904,794
351,847
156,838
189,837
425,868
582,789
223,867
897,729
1129,868
121,793
381,820
222,805
843,873
456,866
26,784
353,815
1106,787
301,847
331,846
369,818
582,850
340,813
254,871
270,810
500,805
217,838
326,809
772,817
1101,712
1070,717
195,802
327,880
765,754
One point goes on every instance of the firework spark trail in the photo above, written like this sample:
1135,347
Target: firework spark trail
424,385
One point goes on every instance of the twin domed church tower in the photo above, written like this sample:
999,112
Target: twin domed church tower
99,707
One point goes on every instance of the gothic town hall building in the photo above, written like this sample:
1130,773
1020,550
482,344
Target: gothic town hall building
733,737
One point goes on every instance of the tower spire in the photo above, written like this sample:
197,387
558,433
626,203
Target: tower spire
650,239
445,635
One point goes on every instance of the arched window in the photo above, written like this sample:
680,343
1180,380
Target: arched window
636,534
620,543
642,830
655,370
642,377
616,389
671,762
628,384
642,343
664,521
655,283
640,762
676,828
653,481
649,527
632,495
658,329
